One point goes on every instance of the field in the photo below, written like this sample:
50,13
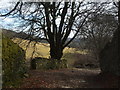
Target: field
72,55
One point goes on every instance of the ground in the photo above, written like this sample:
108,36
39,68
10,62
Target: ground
69,78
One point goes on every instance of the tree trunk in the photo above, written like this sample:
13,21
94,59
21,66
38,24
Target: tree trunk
56,52
33,64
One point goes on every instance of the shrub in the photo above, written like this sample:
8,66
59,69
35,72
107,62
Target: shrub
13,63
44,63
56,64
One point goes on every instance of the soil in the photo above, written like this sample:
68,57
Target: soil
70,78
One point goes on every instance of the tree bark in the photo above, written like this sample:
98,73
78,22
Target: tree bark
56,52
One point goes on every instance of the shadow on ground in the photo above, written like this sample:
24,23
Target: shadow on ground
69,78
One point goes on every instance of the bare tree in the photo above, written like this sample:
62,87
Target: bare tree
98,31
99,28
110,55
53,21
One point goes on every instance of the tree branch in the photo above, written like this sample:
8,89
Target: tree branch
76,32
11,10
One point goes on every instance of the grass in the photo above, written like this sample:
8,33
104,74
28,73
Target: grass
42,50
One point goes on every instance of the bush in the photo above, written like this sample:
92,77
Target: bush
13,63
56,64
44,63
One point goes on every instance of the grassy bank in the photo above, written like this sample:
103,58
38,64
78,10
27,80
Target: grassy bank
72,55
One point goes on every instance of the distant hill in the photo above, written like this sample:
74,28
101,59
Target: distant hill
12,34
77,43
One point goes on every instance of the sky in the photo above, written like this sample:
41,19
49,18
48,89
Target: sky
10,23
5,22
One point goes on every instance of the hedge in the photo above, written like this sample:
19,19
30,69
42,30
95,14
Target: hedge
13,63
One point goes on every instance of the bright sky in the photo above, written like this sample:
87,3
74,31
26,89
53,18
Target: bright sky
9,23
5,22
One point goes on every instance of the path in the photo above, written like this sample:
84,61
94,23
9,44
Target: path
64,78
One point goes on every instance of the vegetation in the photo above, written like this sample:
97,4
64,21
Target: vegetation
53,21
97,32
95,23
13,63
46,64
42,50
110,55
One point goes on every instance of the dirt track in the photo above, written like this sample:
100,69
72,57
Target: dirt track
66,78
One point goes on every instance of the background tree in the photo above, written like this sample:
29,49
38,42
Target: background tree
97,32
109,56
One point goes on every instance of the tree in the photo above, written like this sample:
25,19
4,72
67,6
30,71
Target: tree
98,31
53,21
109,56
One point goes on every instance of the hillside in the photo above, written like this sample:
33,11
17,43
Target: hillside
12,34
42,50
75,57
